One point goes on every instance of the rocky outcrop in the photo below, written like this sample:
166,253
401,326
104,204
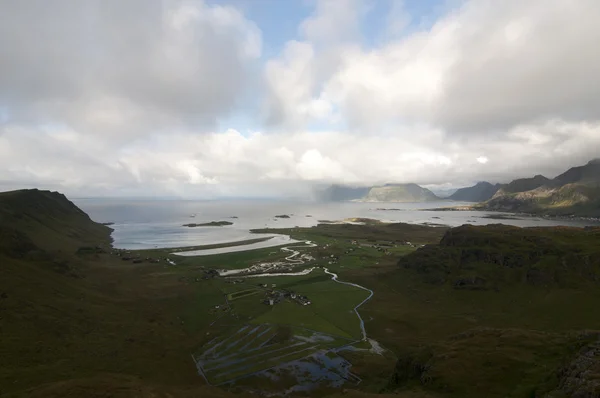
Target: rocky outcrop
581,377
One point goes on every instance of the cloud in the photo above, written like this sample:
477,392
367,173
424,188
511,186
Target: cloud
123,68
134,98
257,164
484,67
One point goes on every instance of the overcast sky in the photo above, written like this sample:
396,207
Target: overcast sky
272,97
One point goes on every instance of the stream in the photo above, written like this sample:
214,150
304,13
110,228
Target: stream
334,277
295,258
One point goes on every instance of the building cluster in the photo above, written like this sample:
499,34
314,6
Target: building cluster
210,274
277,296
136,258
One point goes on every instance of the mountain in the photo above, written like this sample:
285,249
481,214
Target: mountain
590,173
42,221
337,193
384,193
399,193
576,192
523,185
64,293
480,192
444,193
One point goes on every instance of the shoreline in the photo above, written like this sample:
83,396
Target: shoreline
205,247
513,213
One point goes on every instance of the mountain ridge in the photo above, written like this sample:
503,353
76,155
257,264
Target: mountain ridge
576,192
480,192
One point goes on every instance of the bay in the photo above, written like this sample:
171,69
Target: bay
141,224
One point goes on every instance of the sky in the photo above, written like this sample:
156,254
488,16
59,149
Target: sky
257,98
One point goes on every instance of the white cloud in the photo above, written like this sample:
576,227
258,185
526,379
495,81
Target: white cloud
110,97
124,69
483,67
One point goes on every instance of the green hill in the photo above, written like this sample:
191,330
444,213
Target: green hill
494,311
472,257
79,321
42,220
400,193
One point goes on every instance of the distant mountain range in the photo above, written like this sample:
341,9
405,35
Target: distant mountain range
575,192
383,193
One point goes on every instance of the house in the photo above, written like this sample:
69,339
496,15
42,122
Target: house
302,300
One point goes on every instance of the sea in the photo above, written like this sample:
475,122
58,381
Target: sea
143,224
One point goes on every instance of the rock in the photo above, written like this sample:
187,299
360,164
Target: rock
471,283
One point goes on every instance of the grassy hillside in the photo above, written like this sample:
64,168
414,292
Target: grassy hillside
495,309
47,221
77,321
496,256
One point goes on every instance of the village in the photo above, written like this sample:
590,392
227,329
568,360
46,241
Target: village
273,296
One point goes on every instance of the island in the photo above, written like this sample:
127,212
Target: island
209,224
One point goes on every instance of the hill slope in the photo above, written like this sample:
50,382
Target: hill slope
46,221
77,321
522,185
493,256
575,192
480,192
502,311
400,193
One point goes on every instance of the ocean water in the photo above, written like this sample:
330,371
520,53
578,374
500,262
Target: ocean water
140,224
